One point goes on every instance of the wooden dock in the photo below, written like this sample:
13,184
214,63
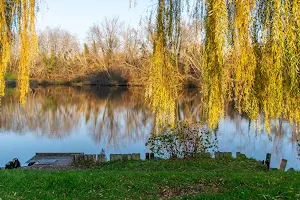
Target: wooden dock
54,159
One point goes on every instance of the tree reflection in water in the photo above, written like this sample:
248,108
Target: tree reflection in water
111,114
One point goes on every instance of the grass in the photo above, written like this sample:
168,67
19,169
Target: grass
178,179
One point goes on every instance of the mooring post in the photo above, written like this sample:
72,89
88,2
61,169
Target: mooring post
283,164
151,156
268,160
147,156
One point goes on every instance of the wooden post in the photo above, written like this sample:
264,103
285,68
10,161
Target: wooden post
101,158
75,158
221,154
228,155
120,157
136,156
147,156
205,155
124,158
151,156
268,160
112,157
129,156
283,164
94,157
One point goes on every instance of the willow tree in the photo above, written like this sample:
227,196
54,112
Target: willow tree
17,20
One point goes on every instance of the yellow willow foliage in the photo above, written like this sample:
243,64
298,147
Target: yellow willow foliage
244,60
17,16
272,64
292,52
163,78
4,44
29,45
214,75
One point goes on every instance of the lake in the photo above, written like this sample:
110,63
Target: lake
118,120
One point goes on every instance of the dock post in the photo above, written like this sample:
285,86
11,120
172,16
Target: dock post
283,164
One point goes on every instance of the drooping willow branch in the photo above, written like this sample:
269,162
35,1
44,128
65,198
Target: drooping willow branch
17,20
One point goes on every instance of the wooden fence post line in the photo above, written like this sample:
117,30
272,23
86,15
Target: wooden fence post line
283,164
268,160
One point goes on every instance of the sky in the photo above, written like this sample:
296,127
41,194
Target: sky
77,16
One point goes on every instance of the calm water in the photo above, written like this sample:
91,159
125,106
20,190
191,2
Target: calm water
66,119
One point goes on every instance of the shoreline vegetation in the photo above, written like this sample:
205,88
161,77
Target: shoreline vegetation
205,178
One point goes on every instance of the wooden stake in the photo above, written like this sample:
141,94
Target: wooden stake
283,164
151,156
147,156
268,160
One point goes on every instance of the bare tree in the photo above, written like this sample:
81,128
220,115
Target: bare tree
106,38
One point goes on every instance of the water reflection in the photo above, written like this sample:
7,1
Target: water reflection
68,119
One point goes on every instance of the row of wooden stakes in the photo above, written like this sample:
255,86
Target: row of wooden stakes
266,162
150,156
89,157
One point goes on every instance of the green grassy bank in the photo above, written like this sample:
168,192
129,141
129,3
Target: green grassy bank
179,179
